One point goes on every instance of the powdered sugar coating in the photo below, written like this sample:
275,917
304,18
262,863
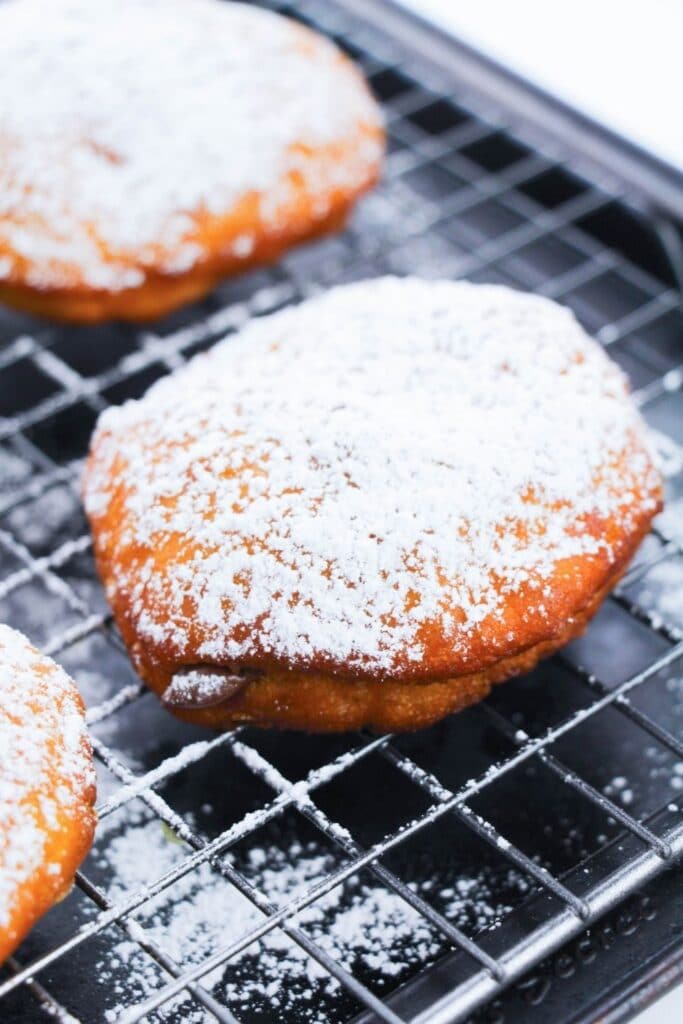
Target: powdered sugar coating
122,119
45,767
392,457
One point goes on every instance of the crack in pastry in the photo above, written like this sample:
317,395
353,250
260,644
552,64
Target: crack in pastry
149,148
205,686
385,499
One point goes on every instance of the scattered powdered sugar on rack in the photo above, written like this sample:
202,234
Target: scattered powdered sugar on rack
618,789
661,591
672,518
122,119
13,470
392,454
361,924
677,776
45,770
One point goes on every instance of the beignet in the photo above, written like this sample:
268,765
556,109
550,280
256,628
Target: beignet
366,509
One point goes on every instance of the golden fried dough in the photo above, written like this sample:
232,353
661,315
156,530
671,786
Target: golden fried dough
47,786
149,148
368,508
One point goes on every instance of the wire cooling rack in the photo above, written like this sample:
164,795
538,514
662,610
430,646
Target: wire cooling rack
259,877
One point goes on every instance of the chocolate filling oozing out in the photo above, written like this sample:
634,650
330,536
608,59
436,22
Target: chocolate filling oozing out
204,686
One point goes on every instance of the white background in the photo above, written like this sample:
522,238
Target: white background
620,62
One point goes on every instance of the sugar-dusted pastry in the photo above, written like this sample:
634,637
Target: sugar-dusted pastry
148,148
47,786
368,509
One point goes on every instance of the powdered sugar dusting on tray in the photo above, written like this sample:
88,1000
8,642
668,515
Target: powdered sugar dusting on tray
361,924
121,119
44,766
393,454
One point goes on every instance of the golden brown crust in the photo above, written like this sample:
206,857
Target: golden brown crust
318,702
140,198
162,293
520,626
48,820
67,844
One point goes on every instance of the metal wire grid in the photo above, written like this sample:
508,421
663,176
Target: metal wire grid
451,172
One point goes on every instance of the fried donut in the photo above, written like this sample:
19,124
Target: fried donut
149,148
47,786
368,509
